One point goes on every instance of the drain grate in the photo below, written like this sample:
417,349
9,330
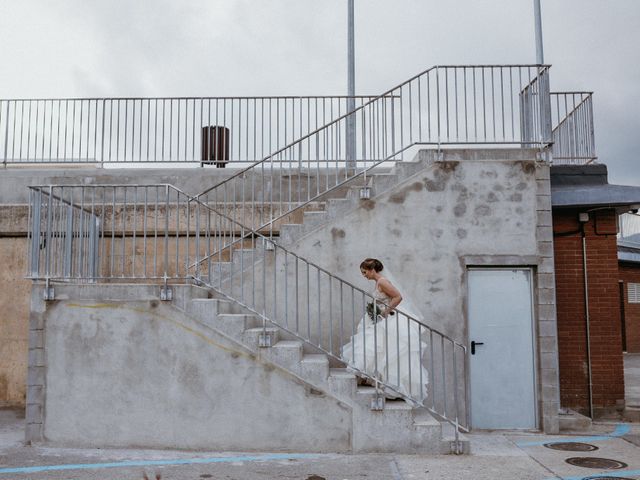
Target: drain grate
571,446
595,462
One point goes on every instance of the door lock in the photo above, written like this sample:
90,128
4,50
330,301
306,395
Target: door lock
473,346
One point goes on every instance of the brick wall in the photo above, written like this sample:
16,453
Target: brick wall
630,273
604,311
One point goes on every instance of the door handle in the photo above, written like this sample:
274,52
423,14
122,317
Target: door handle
473,346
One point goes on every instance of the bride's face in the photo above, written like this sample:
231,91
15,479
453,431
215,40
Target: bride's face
368,274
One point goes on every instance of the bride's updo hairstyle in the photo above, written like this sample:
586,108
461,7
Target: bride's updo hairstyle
372,264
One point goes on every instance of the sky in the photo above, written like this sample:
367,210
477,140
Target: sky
111,48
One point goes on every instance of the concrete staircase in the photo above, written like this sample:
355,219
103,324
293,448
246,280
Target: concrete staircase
328,207
377,425
338,203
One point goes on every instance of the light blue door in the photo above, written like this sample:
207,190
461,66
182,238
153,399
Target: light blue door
501,349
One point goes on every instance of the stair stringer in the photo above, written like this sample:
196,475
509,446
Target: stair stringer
399,427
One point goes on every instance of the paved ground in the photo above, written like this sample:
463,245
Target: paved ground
494,456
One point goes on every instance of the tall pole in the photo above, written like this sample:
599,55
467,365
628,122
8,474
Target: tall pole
539,50
351,89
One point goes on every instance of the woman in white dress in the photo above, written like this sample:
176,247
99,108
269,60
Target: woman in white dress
387,346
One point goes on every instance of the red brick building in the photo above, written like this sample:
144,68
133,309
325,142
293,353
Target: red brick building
588,289
629,272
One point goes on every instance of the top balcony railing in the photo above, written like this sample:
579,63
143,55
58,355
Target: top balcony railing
158,130
444,105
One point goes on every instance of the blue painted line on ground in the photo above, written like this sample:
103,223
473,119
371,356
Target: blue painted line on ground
621,429
156,463
610,473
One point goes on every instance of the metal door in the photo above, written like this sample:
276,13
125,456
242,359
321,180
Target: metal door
501,349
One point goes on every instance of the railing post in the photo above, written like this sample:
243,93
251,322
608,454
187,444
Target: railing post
36,209
6,136
68,244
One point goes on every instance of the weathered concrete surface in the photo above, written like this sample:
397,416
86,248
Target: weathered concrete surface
140,373
15,181
14,321
495,455
424,229
467,208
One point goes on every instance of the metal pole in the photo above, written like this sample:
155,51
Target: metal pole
538,17
351,89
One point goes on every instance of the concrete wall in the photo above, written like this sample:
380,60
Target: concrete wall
474,208
14,321
138,372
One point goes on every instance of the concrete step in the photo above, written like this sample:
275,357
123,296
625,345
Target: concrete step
381,182
404,169
289,232
207,309
287,353
315,367
337,207
311,219
447,437
251,336
342,383
235,324
394,430
570,421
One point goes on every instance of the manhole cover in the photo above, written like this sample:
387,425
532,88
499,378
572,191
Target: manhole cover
606,478
571,446
595,462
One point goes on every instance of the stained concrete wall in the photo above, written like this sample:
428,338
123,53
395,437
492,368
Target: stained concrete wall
14,321
466,208
426,229
123,371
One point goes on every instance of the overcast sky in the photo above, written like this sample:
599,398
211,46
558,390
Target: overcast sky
72,48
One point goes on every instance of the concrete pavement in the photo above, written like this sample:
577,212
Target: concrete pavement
502,455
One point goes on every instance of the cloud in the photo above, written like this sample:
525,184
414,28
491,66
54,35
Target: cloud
298,47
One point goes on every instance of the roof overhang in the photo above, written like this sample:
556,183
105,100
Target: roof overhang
587,186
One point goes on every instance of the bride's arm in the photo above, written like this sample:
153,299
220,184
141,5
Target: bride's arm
392,292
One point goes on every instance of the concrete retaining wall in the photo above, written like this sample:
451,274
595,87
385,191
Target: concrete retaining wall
139,372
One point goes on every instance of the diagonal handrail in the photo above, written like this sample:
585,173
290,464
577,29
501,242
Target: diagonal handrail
152,232
573,134
240,282
443,105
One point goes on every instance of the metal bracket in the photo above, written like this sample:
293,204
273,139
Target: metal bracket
455,447
264,340
377,403
269,245
365,193
439,155
49,293
166,294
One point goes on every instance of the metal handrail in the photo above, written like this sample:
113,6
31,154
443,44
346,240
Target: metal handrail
125,130
532,72
153,232
573,133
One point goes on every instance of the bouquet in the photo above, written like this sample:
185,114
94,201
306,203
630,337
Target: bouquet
374,317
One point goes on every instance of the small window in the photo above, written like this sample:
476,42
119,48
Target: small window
633,290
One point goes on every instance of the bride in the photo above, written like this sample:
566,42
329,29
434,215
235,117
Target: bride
386,343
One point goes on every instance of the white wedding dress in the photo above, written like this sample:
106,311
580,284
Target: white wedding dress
390,350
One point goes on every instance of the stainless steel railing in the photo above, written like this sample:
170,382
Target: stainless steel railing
157,233
158,130
444,105
573,132
629,228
